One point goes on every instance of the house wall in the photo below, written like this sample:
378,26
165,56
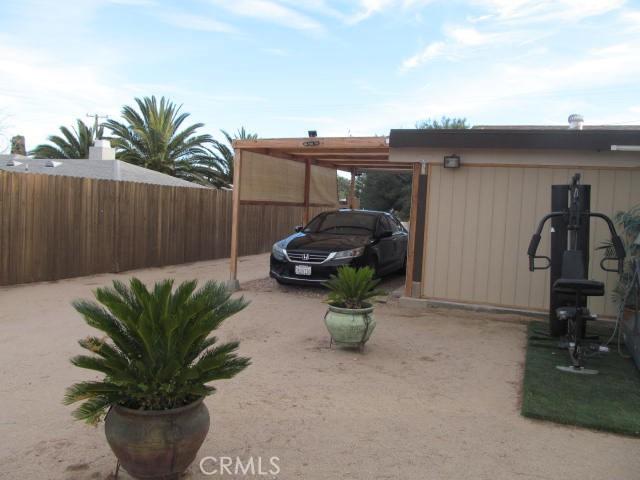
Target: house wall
480,218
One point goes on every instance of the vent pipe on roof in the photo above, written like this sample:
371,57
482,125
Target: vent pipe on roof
576,121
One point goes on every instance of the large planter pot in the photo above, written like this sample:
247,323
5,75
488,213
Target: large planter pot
157,444
351,327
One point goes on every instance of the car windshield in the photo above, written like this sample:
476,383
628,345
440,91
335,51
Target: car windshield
343,223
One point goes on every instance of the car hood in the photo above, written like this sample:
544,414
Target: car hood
325,242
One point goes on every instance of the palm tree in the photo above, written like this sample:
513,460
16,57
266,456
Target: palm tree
223,154
151,138
73,143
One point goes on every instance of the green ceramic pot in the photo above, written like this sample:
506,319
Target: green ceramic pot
351,327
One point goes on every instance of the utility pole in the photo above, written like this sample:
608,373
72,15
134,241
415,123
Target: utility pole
96,117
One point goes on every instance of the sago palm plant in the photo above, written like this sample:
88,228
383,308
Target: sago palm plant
74,143
151,137
156,353
352,287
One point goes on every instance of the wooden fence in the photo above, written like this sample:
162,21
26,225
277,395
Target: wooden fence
54,227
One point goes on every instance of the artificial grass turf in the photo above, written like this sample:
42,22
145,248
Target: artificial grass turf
609,401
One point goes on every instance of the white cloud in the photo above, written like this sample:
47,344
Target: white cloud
39,93
546,10
271,11
321,7
194,22
470,36
631,18
557,87
461,41
356,11
368,8
429,52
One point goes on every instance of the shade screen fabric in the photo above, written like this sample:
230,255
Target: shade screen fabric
324,186
271,179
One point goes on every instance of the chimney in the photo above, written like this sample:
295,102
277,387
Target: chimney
18,145
576,121
101,150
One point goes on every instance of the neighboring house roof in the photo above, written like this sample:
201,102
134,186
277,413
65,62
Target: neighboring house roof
518,137
99,169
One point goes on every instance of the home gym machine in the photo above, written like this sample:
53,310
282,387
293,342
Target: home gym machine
568,261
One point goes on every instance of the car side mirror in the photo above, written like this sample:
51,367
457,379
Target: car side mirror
385,234
298,228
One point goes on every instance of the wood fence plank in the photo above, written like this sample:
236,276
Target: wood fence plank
54,227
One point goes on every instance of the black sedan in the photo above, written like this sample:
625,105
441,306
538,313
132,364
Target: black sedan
337,238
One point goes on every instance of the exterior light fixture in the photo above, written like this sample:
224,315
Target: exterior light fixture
313,133
451,161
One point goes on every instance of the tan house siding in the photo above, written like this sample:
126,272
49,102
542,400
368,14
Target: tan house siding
480,220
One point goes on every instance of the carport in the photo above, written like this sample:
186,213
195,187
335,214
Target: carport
297,172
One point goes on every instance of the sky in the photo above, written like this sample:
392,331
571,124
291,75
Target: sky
283,67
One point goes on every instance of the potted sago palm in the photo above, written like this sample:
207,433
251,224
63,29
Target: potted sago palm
349,318
157,361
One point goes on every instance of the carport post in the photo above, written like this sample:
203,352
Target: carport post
352,188
233,283
413,279
307,189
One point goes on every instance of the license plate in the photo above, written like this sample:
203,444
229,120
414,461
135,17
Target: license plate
303,270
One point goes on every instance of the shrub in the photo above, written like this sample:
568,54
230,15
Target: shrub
352,287
156,353
630,222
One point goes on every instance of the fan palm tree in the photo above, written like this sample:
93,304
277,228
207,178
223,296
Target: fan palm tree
223,154
151,137
74,143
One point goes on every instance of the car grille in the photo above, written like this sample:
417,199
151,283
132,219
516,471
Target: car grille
305,257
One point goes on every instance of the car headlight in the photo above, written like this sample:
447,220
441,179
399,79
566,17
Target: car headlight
278,251
356,252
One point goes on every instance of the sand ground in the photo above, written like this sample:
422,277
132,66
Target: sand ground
434,396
